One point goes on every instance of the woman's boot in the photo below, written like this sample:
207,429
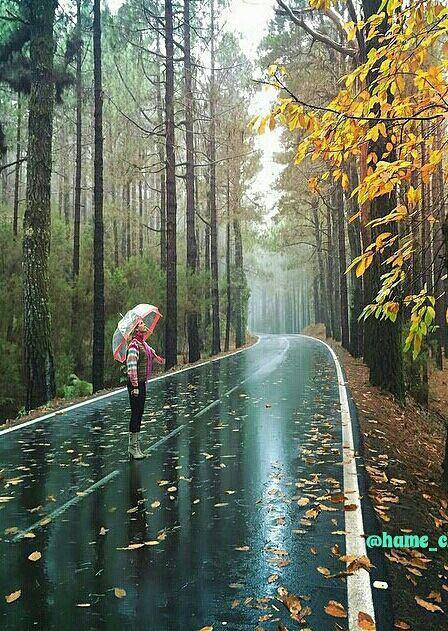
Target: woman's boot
134,446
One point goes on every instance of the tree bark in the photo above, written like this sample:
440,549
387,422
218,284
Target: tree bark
171,203
216,332
192,314
78,159
228,279
356,297
77,200
382,339
240,284
322,312
342,267
38,360
98,234
18,164
162,160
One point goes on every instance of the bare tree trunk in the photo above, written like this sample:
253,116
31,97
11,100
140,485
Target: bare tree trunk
322,314
140,214
77,201
98,235
171,203
38,360
192,315
77,205
382,339
216,333
128,219
228,280
17,169
440,257
356,298
342,267
240,284
162,160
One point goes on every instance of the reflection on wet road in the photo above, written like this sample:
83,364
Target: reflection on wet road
239,501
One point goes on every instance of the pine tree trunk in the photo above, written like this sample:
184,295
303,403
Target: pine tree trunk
335,294
382,339
342,267
128,219
192,315
98,234
216,329
171,203
240,284
162,160
77,200
329,279
356,297
322,307
38,360
17,169
228,284
440,257
77,204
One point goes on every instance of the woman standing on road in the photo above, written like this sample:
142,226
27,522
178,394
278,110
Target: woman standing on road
139,367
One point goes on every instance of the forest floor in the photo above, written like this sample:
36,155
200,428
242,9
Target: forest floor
58,405
403,448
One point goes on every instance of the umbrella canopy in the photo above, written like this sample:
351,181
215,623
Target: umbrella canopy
148,314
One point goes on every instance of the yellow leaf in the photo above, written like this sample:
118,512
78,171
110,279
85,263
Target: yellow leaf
119,592
335,609
13,596
365,622
364,264
426,605
34,556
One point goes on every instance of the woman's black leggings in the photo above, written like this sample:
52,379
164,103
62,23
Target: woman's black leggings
137,406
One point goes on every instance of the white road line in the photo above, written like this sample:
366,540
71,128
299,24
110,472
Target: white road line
64,507
119,391
359,590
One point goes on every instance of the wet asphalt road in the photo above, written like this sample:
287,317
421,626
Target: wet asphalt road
216,516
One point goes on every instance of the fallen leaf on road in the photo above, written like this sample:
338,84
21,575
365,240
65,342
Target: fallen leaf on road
119,592
155,504
437,596
361,562
103,530
303,501
365,622
324,570
152,543
206,629
335,609
272,578
132,546
401,625
13,596
426,605
243,548
35,556
221,504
